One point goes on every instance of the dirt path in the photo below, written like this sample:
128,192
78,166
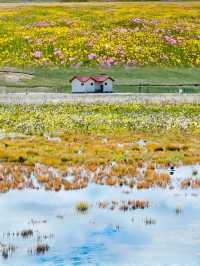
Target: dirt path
53,3
41,98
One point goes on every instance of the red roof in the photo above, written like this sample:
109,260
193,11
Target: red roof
98,79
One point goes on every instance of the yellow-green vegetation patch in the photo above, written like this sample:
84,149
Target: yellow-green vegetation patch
127,137
125,160
93,151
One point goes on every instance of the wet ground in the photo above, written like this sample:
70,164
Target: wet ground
40,227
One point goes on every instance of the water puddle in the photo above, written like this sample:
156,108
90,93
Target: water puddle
118,227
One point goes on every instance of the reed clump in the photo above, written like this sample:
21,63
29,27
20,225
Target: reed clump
82,206
41,249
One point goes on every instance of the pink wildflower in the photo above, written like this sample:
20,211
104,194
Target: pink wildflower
41,24
170,40
92,56
164,58
72,59
160,31
57,52
136,20
132,62
154,22
45,62
110,61
37,54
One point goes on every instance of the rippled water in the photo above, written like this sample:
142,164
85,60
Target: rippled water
102,236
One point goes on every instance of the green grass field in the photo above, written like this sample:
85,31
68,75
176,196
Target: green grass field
126,80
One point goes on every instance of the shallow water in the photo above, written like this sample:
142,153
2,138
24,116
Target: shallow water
103,236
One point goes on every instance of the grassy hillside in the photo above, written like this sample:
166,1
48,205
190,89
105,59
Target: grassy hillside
100,34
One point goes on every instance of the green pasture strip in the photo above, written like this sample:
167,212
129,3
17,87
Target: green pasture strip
146,79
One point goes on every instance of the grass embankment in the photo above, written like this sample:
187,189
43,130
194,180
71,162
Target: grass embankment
132,79
100,34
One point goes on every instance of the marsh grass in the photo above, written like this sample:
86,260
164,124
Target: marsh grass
82,206
7,251
194,172
124,206
149,221
41,249
178,210
27,233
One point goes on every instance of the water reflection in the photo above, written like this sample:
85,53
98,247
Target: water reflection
102,236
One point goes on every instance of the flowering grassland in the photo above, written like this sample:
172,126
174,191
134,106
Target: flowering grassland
99,118
107,34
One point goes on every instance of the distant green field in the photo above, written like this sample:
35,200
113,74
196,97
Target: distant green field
146,79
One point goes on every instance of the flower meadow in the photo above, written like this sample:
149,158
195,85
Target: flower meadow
104,34
100,118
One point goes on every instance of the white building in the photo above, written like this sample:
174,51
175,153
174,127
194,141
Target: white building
81,84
